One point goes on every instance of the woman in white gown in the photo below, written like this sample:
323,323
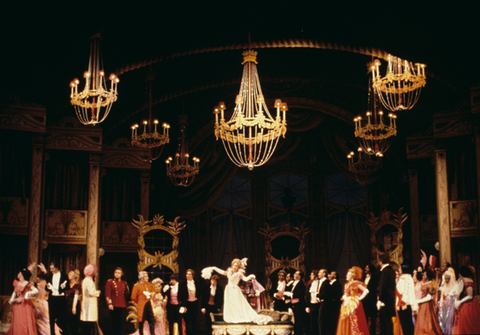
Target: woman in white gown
236,308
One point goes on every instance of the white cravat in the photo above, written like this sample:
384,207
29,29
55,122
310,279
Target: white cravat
313,291
295,284
191,285
367,279
213,290
56,283
281,286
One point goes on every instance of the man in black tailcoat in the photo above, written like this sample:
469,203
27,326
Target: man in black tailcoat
297,302
189,293
370,301
325,303
212,301
57,282
336,295
386,295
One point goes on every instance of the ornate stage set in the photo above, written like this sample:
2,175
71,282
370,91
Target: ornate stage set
72,196
386,237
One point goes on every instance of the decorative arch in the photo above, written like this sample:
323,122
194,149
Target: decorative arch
159,259
273,264
387,235
290,43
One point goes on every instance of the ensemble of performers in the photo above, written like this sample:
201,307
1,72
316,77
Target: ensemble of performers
428,301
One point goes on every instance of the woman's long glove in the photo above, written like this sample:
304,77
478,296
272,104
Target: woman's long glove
364,294
465,299
31,293
428,297
74,307
12,299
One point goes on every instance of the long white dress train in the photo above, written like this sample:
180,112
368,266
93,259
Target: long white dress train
236,308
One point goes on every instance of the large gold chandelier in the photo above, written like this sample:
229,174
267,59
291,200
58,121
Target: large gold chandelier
93,104
179,169
400,88
374,134
150,137
252,134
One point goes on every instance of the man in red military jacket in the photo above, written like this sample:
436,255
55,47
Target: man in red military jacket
142,292
117,294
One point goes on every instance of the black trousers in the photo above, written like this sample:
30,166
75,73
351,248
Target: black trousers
57,310
208,321
148,317
300,318
190,317
386,324
406,321
174,316
118,316
324,318
314,319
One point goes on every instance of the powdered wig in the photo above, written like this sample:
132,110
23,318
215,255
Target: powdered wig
141,274
447,287
90,270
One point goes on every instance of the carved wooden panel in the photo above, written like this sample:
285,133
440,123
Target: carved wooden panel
450,125
121,154
25,118
119,236
420,147
14,215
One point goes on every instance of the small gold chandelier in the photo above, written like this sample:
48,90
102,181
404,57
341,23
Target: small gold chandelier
365,167
375,136
93,104
252,134
151,138
179,169
400,88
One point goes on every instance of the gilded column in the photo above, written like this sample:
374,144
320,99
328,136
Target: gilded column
34,212
414,215
145,194
442,205
93,210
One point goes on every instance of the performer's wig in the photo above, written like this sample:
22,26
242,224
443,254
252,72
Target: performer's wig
357,271
90,270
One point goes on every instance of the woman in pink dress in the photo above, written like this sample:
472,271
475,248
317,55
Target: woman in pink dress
352,317
467,319
427,321
23,314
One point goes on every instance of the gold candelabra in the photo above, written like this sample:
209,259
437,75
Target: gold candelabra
252,134
93,104
400,88
365,167
179,169
150,138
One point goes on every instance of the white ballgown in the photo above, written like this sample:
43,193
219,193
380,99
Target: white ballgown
236,308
